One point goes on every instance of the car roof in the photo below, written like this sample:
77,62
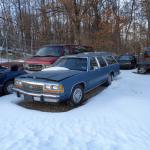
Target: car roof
67,45
90,54
127,55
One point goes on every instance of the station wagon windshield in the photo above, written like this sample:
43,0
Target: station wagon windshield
72,63
54,51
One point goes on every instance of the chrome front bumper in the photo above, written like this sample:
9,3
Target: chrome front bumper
38,97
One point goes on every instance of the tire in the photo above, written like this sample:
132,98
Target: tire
77,96
7,89
141,70
109,80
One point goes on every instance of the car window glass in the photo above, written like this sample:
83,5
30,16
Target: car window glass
72,63
54,51
125,57
110,60
93,64
66,51
101,62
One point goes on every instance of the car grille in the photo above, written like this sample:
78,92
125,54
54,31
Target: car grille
28,87
34,67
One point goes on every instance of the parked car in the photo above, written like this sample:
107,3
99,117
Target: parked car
69,78
127,61
144,61
47,55
7,77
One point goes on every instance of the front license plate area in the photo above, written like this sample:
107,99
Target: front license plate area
28,97
37,99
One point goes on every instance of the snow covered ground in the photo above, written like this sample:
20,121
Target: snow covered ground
118,118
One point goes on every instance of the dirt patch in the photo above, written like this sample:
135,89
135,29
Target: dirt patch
57,107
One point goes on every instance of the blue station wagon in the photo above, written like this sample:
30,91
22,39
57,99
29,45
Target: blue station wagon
69,78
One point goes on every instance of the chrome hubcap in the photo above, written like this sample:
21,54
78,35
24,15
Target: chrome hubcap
10,88
142,70
77,95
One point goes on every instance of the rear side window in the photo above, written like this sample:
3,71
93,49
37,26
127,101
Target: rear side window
101,62
93,63
110,60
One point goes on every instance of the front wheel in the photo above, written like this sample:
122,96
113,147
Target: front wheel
8,87
77,96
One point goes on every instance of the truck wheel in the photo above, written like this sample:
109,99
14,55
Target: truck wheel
8,87
77,96
141,70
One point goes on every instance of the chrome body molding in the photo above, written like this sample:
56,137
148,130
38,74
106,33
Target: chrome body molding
37,94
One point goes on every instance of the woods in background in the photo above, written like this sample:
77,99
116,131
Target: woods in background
114,25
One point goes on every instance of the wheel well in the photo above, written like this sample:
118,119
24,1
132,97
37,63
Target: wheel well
6,82
82,84
112,73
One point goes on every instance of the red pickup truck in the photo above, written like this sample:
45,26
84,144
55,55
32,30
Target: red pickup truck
48,54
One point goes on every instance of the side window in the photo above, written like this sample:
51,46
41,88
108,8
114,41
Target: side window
110,60
66,51
101,62
93,64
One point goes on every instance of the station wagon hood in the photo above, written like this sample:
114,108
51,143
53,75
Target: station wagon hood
57,75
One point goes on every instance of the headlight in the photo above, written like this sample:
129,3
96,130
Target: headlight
46,66
54,88
18,83
25,65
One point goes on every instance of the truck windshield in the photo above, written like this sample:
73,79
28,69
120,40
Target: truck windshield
54,51
72,63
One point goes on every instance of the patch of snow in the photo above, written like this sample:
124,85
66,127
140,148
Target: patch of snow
55,68
18,60
115,119
3,60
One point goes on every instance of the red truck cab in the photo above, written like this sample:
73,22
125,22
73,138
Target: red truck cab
48,54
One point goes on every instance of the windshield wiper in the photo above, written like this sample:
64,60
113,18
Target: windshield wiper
45,56
37,56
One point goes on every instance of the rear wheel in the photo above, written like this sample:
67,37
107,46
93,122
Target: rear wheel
8,87
141,70
109,80
77,96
